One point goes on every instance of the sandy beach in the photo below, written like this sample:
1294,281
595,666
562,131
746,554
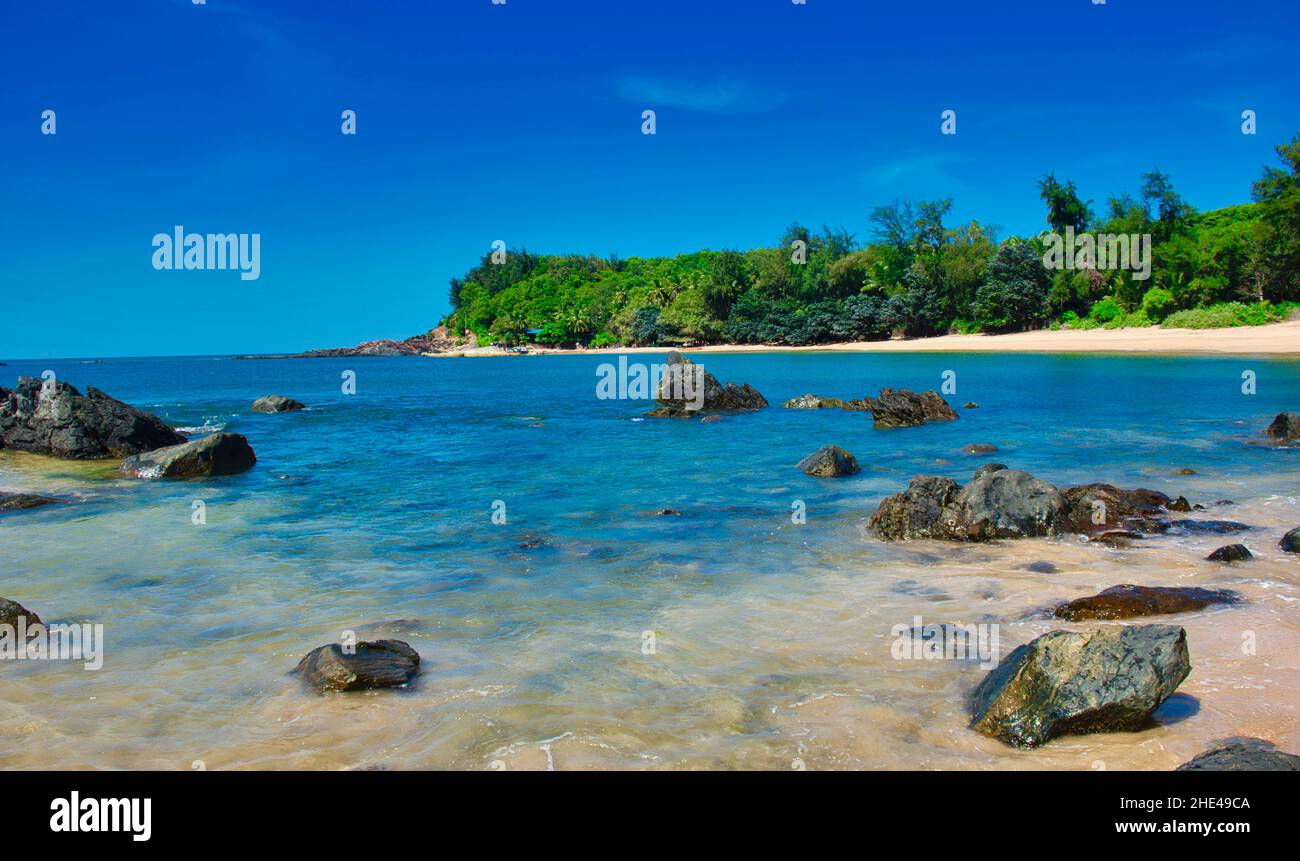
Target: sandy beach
1277,339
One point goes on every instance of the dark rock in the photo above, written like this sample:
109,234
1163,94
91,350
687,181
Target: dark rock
1243,754
1180,504
668,512
971,405
900,408
830,461
1230,553
378,664
58,420
23,501
1107,679
1291,541
979,448
1098,507
1285,426
1211,527
1116,537
1127,602
1042,568
277,404
533,542
683,381
1004,503
218,454
12,611
987,468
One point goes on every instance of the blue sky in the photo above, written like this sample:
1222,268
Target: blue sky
522,122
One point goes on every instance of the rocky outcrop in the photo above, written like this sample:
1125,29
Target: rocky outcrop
998,503
686,390
1291,541
56,419
23,501
816,402
830,461
1243,754
377,664
12,611
1230,553
1286,426
901,408
218,454
277,404
1128,601
1107,679
434,341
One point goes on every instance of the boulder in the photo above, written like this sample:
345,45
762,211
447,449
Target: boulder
1000,503
901,408
989,467
1230,553
217,454
1180,504
1291,541
830,461
917,511
1286,427
1128,601
12,611
1243,754
682,377
979,448
378,664
58,420
815,402
1099,507
1106,679
23,501
277,404
1211,527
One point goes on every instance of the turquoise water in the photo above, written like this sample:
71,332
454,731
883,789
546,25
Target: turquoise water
373,512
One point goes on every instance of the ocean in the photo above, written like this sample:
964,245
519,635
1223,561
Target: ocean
577,628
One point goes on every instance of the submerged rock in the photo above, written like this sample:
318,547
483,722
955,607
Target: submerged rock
668,512
1211,527
1106,679
277,404
1291,541
58,420
971,405
1243,754
1184,471
12,611
1128,601
901,408
979,448
1285,427
218,454
830,461
682,377
1230,553
377,664
23,501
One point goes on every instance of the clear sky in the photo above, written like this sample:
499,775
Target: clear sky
522,122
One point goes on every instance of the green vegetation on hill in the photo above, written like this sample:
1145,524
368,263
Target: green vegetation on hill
917,276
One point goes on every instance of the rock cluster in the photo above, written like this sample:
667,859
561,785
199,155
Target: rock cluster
680,388
56,419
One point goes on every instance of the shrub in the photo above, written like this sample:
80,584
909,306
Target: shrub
1158,303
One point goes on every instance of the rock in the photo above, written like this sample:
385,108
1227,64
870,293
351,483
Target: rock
1106,679
668,512
979,448
900,408
1042,567
1116,537
989,467
682,377
971,405
277,404
1096,508
916,512
218,454
533,542
1291,541
1286,426
814,402
830,461
377,664
12,611
1180,504
58,420
1006,503
1128,601
708,420
1230,553
23,501
1211,527
1184,471
1243,754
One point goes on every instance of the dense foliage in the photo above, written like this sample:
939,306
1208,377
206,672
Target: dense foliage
916,276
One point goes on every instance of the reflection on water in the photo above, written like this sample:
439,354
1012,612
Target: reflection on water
771,640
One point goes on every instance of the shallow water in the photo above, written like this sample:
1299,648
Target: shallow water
373,512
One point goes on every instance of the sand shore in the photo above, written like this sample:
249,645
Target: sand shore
1277,339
